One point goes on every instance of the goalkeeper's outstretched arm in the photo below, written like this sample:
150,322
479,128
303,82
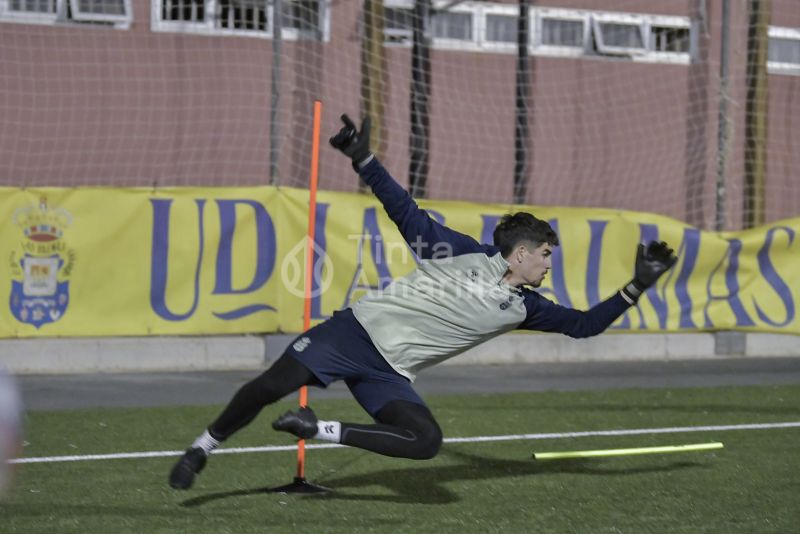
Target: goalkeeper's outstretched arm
426,236
546,316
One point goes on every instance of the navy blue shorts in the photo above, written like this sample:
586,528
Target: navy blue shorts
340,349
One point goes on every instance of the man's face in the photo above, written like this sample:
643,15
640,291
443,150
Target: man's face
530,265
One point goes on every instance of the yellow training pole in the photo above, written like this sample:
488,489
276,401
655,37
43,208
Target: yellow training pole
626,452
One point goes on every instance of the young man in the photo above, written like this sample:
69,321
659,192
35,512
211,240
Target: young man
462,294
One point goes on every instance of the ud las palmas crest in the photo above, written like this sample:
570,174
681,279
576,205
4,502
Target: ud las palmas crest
41,265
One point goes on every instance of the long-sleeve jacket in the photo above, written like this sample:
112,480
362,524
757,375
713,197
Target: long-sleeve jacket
456,298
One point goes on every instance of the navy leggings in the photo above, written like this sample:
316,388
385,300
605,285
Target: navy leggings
402,429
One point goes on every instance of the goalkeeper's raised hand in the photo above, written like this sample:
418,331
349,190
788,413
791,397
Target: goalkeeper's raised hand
352,142
651,262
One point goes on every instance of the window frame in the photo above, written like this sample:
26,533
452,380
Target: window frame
626,19
780,67
406,36
182,26
446,43
322,31
666,21
59,17
32,17
478,11
80,16
209,27
566,15
503,10
439,43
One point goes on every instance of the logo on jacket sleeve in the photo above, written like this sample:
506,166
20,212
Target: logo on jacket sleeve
41,266
302,344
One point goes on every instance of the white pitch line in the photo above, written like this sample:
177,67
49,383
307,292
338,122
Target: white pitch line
474,439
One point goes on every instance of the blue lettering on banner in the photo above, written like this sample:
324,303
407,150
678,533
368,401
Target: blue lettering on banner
369,232
265,247
487,230
768,272
159,256
658,299
558,282
320,248
732,285
596,230
376,247
159,261
688,252
265,255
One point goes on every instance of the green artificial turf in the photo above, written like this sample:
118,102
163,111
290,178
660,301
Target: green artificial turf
752,485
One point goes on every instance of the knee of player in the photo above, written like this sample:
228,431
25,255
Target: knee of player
429,443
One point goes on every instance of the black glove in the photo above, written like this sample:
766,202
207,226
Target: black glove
651,263
353,143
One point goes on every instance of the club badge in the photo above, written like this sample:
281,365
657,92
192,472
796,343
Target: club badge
41,264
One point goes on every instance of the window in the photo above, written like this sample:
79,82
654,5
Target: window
561,32
452,25
649,38
618,34
107,12
300,19
498,25
100,10
615,35
501,28
183,10
398,25
451,28
32,6
248,15
783,55
783,50
669,39
302,15
493,27
557,32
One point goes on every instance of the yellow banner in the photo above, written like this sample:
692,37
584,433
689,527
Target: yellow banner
193,261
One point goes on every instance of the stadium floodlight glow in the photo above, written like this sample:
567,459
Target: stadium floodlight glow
694,447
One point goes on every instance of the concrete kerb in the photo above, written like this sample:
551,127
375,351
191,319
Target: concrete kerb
153,354
131,354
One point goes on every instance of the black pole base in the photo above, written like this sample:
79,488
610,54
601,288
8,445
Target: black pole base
300,485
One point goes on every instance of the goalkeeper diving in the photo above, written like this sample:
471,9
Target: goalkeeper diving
461,294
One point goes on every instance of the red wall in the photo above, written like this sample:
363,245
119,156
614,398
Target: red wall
97,106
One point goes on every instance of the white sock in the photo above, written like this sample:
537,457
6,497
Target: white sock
205,442
329,431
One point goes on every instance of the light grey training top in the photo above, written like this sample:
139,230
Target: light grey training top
455,301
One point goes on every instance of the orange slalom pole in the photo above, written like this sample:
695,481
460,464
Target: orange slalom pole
312,221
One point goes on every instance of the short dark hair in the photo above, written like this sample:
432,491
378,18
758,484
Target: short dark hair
522,227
